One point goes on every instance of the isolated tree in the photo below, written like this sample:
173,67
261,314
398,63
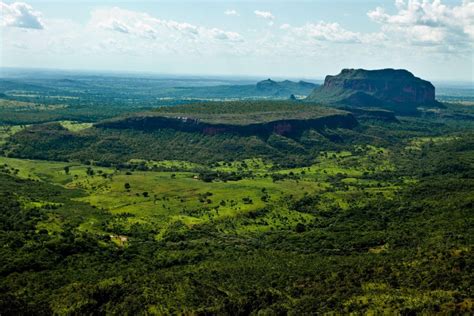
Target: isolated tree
300,227
90,171
127,186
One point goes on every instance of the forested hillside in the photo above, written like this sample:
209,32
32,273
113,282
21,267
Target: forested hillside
395,238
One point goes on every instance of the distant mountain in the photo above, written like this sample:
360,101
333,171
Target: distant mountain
268,89
146,92
396,90
284,88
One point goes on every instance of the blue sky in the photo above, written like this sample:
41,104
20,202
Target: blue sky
298,39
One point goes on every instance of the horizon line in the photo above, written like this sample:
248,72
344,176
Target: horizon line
196,75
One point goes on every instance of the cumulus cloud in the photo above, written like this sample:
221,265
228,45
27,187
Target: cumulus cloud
115,25
330,32
222,35
124,21
265,15
20,14
231,12
120,31
427,22
184,28
411,31
143,25
139,24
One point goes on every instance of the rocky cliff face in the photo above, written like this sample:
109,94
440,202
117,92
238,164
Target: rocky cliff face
288,127
397,90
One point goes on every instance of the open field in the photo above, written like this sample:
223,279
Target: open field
161,198
25,106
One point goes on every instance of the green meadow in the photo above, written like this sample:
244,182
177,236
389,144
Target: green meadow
161,198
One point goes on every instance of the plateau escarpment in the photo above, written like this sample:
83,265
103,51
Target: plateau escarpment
397,90
284,132
245,119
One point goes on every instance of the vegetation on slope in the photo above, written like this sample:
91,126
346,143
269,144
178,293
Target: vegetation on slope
371,230
291,134
248,112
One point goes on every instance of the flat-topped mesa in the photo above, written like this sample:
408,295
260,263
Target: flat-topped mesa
395,89
242,118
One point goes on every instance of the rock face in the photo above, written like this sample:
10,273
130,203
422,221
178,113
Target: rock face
397,90
285,127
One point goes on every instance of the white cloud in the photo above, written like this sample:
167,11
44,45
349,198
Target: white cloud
143,25
231,12
222,35
119,32
264,15
123,21
330,32
20,14
184,28
415,33
428,22
115,25
20,45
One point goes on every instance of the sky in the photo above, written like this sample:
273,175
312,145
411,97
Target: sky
434,39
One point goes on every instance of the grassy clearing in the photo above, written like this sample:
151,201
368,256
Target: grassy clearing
23,106
75,126
15,104
7,131
418,142
376,296
161,198
168,164
257,165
